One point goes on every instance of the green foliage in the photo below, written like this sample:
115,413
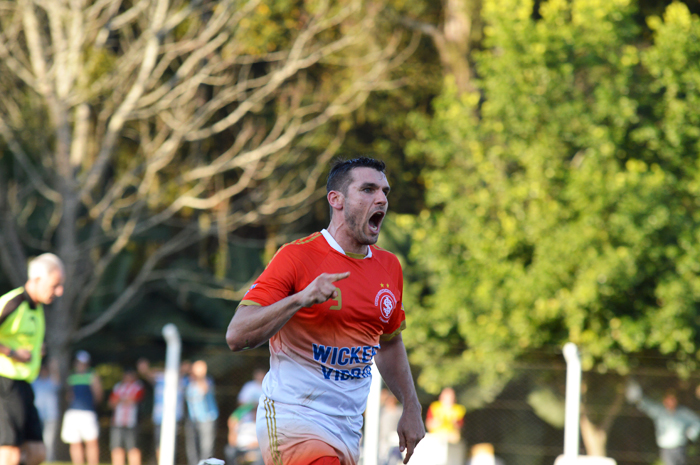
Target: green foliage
563,197
268,29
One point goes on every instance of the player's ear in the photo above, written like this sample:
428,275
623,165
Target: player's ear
336,200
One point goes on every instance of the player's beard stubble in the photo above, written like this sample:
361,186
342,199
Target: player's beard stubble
356,226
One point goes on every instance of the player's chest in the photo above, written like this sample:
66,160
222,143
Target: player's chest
26,322
370,296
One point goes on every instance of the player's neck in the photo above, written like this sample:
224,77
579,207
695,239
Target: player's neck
31,292
345,239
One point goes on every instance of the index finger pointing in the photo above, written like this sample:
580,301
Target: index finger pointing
338,276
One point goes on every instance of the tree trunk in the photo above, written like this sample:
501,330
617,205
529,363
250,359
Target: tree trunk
595,439
456,44
595,436
453,39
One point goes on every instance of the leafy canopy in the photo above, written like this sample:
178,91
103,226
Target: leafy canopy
562,196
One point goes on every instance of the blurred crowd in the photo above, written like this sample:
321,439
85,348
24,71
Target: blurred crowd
142,387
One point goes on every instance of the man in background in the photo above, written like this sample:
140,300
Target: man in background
389,416
47,387
203,412
156,378
242,442
124,399
22,328
445,417
483,454
674,425
252,390
80,428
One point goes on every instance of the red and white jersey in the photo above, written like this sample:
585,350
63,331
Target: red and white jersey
126,396
321,357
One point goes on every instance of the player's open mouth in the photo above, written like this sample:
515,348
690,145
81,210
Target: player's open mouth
375,221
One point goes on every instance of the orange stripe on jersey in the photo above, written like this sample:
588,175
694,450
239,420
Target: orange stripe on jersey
301,241
310,238
389,337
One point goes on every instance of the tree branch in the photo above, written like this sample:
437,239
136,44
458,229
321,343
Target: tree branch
178,242
34,177
117,120
11,251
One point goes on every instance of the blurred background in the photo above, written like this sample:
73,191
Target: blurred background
543,158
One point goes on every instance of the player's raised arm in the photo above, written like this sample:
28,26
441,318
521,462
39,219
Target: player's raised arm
252,325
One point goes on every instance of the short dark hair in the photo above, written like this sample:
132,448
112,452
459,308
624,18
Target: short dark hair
339,176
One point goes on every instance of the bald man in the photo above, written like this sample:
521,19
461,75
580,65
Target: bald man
22,328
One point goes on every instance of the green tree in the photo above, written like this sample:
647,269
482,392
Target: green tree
562,196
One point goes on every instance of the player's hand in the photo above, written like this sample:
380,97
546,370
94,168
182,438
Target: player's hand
321,289
411,430
22,355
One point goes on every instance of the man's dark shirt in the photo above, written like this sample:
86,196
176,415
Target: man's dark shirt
13,304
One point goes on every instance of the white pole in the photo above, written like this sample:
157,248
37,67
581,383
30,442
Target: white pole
371,452
172,373
573,400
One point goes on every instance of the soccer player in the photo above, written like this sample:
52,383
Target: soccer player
22,328
329,304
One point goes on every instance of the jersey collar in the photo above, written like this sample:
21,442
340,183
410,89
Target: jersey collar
332,242
29,300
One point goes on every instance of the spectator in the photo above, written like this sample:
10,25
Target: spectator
157,380
125,399
80,420
482,454
146,405
46,388
674,425
203,412
389,416
444,417
252,390
242,446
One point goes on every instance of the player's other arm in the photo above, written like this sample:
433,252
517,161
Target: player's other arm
393,365
20,355
252,326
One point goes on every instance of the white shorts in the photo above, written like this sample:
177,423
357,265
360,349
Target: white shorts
298,435
79,426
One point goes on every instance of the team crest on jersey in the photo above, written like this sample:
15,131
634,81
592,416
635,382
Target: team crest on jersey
387,303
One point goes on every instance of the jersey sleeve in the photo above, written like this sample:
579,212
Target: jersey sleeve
276,282
397,321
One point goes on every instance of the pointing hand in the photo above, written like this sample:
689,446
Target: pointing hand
321,289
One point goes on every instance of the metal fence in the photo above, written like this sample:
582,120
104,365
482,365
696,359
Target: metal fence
513,421
514,424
